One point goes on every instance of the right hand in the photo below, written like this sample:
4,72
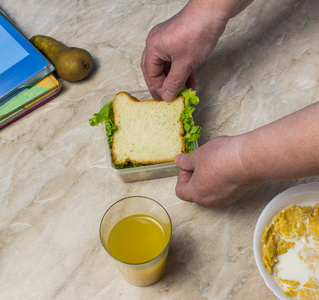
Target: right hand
175,47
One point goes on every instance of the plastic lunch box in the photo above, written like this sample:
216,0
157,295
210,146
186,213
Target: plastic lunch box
145,172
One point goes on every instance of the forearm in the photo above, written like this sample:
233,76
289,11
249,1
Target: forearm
213,15
224,8
285,149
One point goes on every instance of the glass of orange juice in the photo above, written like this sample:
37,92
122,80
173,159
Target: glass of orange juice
136,232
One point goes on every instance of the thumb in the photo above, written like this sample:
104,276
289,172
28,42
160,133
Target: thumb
175,81
185,162
183,186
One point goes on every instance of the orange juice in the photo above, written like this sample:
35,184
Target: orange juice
137,239
136,232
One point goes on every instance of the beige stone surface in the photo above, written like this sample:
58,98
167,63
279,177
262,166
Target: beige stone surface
54,181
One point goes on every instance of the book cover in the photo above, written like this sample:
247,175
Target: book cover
28,95
28,108
21,63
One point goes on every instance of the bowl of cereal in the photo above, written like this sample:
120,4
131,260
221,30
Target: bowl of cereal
286,243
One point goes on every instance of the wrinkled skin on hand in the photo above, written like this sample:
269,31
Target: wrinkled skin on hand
214,175
175,47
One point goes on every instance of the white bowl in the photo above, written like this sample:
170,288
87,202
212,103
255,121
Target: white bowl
303,194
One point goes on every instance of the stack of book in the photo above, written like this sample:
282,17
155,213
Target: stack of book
26,78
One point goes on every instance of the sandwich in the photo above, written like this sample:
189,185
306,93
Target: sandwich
145,132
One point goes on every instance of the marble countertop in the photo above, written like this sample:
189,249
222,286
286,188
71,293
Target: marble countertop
54,181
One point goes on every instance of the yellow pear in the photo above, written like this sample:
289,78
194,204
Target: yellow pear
71,63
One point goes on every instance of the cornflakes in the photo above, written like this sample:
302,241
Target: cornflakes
293,224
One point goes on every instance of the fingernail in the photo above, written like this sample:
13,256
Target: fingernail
169,96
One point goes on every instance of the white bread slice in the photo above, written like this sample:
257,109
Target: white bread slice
149,131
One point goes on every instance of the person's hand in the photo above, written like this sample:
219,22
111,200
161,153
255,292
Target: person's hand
214,174
174,48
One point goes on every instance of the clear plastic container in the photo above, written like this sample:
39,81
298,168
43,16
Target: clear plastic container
145,172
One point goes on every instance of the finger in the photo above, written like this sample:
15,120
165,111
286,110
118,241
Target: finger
153,67
182,185
191,81
185,162
148,82
167,67
175,81
151,88
155,95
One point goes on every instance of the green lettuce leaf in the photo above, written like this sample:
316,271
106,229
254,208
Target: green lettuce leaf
192,133
128,165
105,114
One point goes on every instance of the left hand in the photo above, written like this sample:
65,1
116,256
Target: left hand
214,175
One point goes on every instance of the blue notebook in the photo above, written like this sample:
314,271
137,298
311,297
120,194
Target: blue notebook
21,64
